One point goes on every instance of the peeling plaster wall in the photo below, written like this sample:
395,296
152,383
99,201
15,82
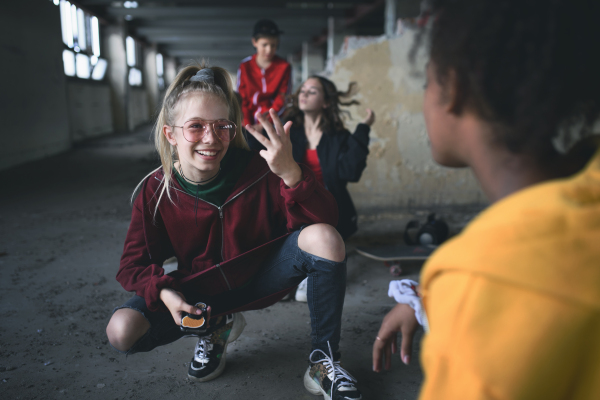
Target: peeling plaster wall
400,171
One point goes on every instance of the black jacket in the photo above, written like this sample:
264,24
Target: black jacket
343,157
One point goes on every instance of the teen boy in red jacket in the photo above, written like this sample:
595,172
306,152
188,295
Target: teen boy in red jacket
264,79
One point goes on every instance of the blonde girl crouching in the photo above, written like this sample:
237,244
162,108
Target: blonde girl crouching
245,228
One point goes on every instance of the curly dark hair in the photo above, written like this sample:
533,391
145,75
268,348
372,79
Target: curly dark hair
529,67
332,114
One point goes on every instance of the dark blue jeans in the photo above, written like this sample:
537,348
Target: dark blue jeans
286,267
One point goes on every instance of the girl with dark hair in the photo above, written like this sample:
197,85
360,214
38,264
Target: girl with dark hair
321,142
512,303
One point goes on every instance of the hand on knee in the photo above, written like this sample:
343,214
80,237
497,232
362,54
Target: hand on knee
323,241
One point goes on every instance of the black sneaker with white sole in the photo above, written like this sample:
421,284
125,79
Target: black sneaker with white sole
326,377
210,353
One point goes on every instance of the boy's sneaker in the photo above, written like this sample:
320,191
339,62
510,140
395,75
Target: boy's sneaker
301,291
327,377
210,353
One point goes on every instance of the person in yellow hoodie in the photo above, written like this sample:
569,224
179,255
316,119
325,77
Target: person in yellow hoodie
513,301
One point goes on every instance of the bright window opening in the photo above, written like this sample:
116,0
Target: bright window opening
83,66
74,27
99,70
130,49
65,22
160,70
81,41
95,36
135,77
69,62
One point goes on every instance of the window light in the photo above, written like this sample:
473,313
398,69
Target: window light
65,23
99,69
82,63
95,36
130,49
69,62
81,41
74,25
159,65
135,77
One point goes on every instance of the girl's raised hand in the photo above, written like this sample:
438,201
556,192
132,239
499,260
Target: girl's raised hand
278,153
370,118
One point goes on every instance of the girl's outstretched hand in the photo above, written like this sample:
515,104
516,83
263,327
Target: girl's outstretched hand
175,302
278,153
401,319
370,118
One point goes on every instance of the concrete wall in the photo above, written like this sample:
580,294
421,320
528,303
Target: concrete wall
138,107
400,171
33,101
89,109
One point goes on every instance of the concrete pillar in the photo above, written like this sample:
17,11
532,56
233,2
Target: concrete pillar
114,39
304,61
151,79
330,42
390,17
170,70
296,63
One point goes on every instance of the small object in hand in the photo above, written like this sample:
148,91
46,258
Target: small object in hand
191,323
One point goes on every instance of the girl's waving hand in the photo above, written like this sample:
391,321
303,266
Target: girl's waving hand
278,153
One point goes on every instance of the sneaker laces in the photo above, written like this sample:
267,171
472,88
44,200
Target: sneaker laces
335,372
203,348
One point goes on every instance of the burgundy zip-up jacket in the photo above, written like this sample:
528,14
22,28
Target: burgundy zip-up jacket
218,249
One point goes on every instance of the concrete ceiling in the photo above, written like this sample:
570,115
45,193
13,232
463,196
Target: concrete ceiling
221,31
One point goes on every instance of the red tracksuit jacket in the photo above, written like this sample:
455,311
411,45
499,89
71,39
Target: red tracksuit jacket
228,244
262,89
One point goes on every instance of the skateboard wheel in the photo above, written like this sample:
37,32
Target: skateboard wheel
395,270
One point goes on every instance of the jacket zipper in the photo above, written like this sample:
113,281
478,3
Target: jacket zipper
224,277
221,217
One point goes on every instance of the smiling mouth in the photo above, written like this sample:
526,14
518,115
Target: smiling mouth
207,152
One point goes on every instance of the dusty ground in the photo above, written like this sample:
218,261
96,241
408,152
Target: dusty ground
63,222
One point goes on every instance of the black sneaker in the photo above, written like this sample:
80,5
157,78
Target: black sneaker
327,377
209,355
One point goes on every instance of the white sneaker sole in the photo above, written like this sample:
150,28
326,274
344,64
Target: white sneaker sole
239,323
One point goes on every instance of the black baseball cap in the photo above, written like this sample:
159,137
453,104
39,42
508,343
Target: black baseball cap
266,27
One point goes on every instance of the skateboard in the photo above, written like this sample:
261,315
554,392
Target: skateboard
393,255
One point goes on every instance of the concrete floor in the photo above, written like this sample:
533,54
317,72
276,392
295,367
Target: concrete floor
63,222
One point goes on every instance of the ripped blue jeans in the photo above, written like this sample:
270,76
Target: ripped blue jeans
286,267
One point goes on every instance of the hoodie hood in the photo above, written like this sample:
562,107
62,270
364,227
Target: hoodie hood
544,238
